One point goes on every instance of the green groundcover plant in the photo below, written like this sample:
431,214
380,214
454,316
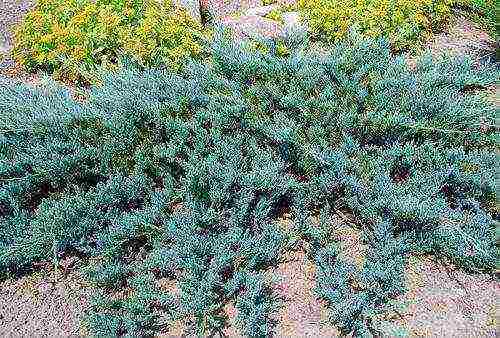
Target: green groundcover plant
184,178
403,22
72,37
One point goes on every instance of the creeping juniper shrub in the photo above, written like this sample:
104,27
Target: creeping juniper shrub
174,184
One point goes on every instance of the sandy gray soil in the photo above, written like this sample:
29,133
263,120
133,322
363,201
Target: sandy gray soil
441,301
11,12
447,302
303,315
44,304
464,37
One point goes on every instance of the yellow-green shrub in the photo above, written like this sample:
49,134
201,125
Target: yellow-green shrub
401,21
71,37
275,15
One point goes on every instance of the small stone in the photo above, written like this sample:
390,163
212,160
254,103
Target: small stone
5,44
292,19
4,48
262,10
287,2
253,26
220,8
191,6
293,23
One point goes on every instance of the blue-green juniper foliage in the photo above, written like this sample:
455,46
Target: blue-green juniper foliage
185,177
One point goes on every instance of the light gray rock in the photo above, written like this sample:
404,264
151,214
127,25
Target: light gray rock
4,48
220,8
191,6
287,2
292,19
292,22
262,10
295,30
253,26
256,26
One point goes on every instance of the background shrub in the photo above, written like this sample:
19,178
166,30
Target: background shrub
401,21
71,37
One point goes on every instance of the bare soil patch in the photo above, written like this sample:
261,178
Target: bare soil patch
44,304
447,302
11,13
464,37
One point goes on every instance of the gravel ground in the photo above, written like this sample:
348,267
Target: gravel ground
43,305
464,37
441,301
11,12
303,315
447,302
